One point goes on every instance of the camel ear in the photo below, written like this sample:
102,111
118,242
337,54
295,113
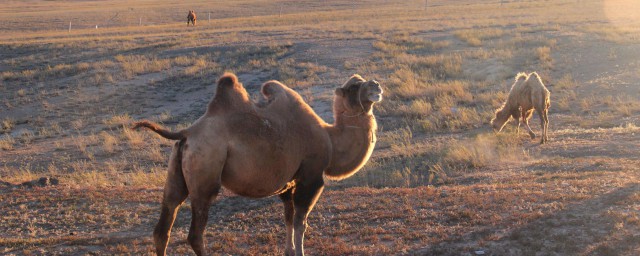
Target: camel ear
340,92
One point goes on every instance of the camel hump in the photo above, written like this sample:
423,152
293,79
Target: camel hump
271,91
272,88
227,79
522,76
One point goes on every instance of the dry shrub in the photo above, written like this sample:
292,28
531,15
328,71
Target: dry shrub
153,153
408,84
183,61
7,142
89,178
8,124
416,108
197,67
18,175
544,56
474,37
398,139
154,176
565,83
135,139
109,142
483,150
118,120
133,65
26,136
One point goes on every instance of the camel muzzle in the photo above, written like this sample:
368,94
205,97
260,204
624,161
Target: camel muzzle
374,91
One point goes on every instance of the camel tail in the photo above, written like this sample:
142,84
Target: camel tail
159,130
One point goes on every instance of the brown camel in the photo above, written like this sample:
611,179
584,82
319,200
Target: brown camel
527,93
191,17
280,147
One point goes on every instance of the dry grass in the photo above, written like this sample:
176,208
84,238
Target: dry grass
7,142
439,182
475,37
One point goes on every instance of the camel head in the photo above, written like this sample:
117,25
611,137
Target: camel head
500,119
358,95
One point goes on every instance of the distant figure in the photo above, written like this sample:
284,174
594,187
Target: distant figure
527,93
191,17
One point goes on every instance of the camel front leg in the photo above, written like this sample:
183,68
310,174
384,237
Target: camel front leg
516,116
287,200
305,196
175,192
546,125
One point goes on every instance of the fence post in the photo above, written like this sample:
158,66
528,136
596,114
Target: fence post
69,26
209,16
140,24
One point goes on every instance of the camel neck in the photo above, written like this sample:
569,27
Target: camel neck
353,139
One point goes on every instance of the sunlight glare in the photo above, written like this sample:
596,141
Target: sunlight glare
622,13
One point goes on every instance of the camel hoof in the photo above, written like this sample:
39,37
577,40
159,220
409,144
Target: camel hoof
533,135
290,253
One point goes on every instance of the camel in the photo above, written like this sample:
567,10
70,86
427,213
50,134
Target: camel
527,93
279,147
191,17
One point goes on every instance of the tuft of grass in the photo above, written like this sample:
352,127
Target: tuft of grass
565,83
118,120
544,57
134,138
397,139
133,65
416,108
8,124
7,142
483,150
474,37
109,142
26,136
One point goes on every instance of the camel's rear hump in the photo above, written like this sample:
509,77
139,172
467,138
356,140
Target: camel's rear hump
230,95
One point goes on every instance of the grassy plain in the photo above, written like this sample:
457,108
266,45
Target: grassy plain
439,182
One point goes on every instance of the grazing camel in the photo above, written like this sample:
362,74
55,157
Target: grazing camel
191,17
527,93
280,147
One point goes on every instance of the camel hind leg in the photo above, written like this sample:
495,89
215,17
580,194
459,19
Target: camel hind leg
199,217
175,192
544,124
203,179
525,119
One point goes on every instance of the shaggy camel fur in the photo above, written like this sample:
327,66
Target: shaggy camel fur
278,148
527,93
191,17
